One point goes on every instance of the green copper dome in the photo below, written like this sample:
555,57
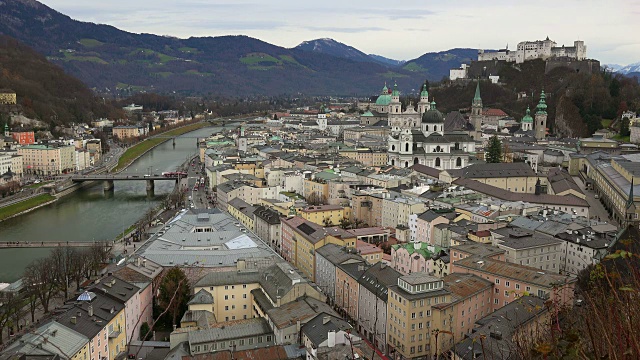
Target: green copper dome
395,90
527,118
542,105
424,93
384,98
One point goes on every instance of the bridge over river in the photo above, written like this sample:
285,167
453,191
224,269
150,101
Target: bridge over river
51,244
108,179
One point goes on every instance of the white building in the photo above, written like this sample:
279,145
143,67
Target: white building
459,73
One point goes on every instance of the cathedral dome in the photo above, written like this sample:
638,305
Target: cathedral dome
383,100
432,116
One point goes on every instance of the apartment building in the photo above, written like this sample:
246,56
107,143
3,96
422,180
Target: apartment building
47,159
52,340
242,211
525,247
372,303
411,316
267,226
326,215
367,208
513,280
327,258
347,288
396,210
427,220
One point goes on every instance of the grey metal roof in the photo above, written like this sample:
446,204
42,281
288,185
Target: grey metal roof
336,254
201,297
377,279
317,329
302,309
51,338
231,330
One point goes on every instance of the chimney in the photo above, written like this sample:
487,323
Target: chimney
144,262
138,261
331,339
383,265
90,310
326,319
417,245
74,320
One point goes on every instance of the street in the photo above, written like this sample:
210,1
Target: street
596,208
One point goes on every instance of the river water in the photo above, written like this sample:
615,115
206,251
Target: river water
91,214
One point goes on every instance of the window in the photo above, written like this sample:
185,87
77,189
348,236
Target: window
506,284
495,301
244,306
244,286
226,307
226,297
497,281
517,286
244,296
226,287
241,342
268,337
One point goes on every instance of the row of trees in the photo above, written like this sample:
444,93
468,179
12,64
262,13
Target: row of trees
44,279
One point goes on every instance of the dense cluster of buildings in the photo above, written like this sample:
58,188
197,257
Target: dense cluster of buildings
336,235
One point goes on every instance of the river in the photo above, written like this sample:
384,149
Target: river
91,214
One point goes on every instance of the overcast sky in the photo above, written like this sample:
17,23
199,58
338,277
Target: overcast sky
402,29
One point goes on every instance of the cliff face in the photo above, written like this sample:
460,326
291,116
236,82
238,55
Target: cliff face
568,122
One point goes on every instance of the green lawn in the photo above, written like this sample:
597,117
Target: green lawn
14,209
257,58
617,137
413,67
164,74
35,186
186,49
90,42
138,149
606,123
73,57
393,75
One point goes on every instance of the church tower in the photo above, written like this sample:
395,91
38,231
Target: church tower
630,210
423,104
395,105
527,121
541,118
476,109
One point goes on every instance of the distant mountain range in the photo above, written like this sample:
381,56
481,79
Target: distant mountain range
629,70
338,49
108,59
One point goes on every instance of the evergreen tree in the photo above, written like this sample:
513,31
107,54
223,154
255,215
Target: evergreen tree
174,294
494,150
624,127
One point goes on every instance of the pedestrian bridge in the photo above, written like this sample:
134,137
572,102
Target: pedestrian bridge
110,179
51,244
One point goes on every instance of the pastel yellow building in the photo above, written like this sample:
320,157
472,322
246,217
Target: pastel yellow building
47,159
326,215
7,97
316,191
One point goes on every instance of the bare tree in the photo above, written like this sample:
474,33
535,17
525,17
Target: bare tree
62,259
41,281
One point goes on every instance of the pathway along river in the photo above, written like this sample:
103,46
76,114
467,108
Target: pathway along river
90,214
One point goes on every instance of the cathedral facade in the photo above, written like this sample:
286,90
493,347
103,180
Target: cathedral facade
417,136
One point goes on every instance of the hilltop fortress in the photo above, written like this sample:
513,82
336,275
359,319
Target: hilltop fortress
539,49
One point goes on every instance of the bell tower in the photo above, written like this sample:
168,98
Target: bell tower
541,118
476,109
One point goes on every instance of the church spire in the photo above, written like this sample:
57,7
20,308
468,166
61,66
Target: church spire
477,100
630,199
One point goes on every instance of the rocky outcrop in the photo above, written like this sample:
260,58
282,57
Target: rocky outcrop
568,122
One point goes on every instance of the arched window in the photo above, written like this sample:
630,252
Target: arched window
393,147
415,161
406,147
438,148
406,164
426,128
437,162
459,162
393,162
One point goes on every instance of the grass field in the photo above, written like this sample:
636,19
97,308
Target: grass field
617,137
35,186
71,56
413,67
140,148
606,123
257,58
14,209
90,42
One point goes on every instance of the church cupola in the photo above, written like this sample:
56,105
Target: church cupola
432,121
527,121
423,104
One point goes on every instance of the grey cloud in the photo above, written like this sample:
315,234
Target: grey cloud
345,29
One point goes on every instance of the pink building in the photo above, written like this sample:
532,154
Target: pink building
473,300
427,221
288,243
411,257
512,281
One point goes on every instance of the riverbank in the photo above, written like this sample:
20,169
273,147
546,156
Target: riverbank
26,206
141,148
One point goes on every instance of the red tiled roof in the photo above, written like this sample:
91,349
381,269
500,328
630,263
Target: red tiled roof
494,112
